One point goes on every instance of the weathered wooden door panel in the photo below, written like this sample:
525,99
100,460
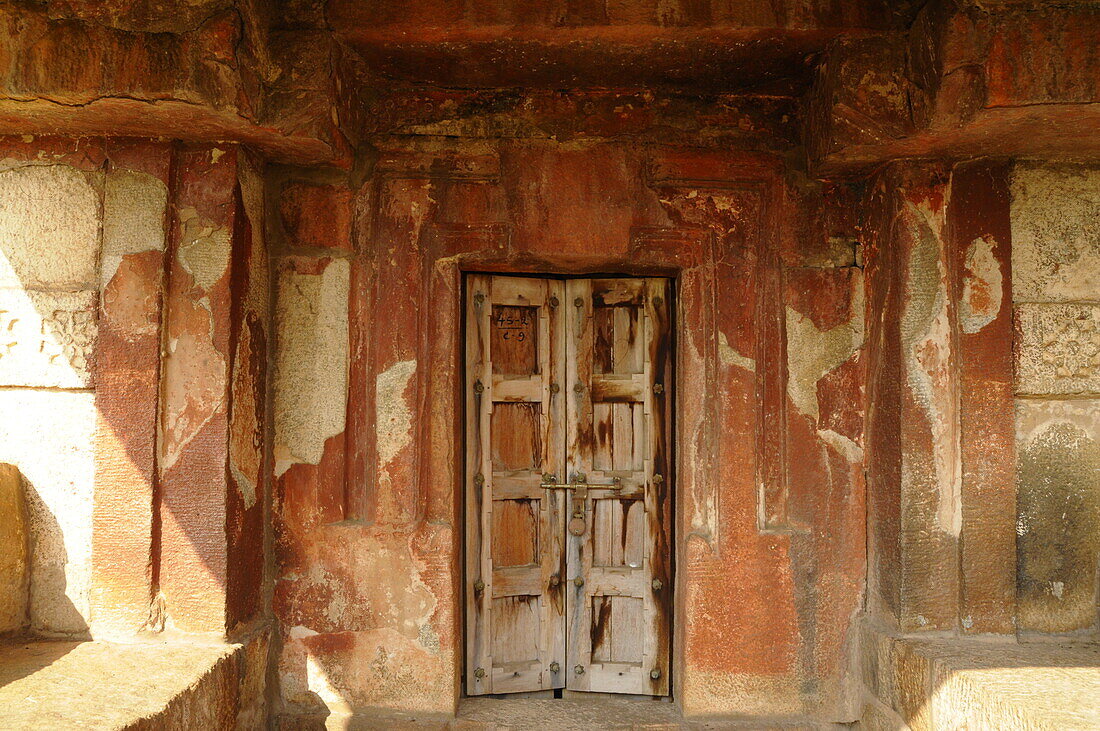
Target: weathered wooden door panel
514,435
619,377
568,510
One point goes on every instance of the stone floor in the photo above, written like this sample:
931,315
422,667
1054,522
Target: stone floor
566,714
592,713
97,685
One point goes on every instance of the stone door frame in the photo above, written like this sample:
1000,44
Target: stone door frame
710,268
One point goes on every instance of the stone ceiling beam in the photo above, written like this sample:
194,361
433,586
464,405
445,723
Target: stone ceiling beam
217,81
967,82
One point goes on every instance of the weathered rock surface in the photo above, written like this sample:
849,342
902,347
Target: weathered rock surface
933,684
14,552
152,685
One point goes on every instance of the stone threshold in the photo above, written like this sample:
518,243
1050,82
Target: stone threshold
537,714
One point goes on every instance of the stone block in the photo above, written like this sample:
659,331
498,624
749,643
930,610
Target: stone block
984,684
876,717
47,339
49,436
14,551
877,664
49,227
1055,232
1058,527
1058,349
194,372
912,677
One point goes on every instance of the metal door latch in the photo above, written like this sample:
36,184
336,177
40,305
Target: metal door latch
580,490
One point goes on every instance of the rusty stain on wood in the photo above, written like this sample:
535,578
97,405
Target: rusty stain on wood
603,425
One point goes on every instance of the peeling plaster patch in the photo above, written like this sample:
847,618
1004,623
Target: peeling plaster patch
299,632
1055,217
842,444
204,248
134,205
245,486
926,342
49,227
729,356
982,286
811,353
311,362
394,418
428,639
195,374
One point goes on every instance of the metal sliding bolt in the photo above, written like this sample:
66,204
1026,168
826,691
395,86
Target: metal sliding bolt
579,669
479,673
554,667
655,674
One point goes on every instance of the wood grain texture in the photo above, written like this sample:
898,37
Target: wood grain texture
618,352
580,394
514,353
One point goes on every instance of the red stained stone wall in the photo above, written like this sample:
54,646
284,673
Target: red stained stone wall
367,513
128,364
178,360
941,493
212,473
249,447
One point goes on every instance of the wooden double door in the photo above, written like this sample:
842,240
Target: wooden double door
569,477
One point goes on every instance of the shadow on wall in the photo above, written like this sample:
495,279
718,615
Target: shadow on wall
33,560
34,564
49,221
51,612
